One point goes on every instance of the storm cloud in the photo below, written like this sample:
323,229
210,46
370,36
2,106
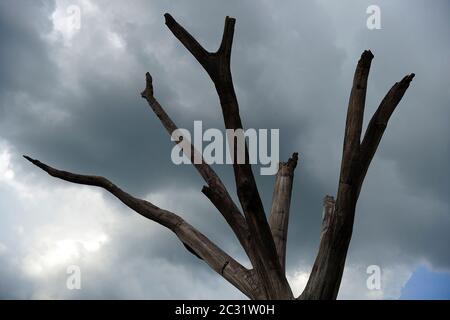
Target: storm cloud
71,99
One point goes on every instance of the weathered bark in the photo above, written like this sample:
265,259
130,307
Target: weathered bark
265,241
281,202
328,211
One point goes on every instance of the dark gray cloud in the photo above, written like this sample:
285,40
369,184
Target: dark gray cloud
73,101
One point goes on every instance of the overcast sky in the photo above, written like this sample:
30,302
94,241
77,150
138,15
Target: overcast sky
70,97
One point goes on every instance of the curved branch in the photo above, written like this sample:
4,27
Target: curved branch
195,241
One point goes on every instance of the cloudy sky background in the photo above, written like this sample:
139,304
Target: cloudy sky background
71,99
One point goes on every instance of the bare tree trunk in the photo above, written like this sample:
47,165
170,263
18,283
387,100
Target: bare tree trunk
264,241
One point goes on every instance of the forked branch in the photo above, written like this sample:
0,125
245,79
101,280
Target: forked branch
217,65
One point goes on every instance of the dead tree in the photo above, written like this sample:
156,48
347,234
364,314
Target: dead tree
264,240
